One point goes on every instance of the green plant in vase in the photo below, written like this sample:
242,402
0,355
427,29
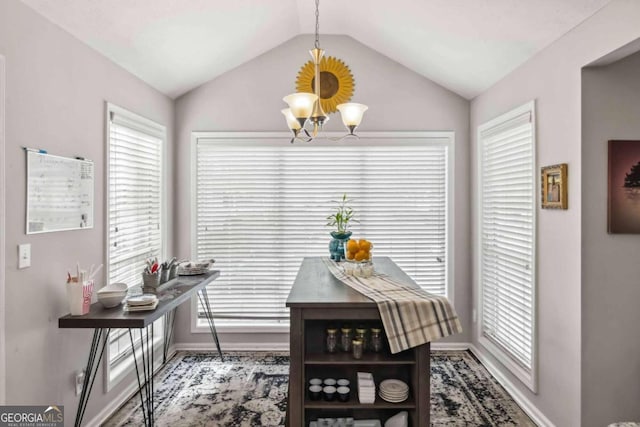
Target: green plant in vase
340,220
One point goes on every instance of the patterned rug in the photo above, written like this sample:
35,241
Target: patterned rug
250,389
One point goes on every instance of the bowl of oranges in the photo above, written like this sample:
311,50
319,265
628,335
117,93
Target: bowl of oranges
358,250
357,254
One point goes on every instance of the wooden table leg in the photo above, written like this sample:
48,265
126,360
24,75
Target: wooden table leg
295,410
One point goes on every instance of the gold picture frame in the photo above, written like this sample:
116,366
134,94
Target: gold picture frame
554,186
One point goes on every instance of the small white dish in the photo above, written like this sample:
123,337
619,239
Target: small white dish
115,288
110,301
367,423
315,381
329,381
343,382
401,419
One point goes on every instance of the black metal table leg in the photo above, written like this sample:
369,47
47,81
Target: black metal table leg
169,321
151,376
146,383
100,336
140,384
204,301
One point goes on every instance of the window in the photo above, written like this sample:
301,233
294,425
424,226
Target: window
506,153
135,213
260,206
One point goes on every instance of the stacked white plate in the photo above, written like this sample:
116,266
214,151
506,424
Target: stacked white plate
394,391
366,387
144,302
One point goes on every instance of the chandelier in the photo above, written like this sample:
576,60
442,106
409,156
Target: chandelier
305,108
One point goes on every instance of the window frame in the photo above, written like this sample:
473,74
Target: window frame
115,373
200,327
529,378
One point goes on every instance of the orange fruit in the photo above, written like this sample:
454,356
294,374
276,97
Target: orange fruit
352,246
350,255
364,245
361,255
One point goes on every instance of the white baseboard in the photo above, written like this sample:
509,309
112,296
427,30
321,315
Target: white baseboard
455,346
451,346
527,406
206,346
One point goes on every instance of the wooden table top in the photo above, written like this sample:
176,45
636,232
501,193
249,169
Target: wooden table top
170,295
316,287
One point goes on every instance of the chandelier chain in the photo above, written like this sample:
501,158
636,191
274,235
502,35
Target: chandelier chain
317,44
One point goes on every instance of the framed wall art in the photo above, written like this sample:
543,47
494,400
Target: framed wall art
554,186
624,187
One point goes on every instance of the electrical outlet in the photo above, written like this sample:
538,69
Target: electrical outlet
24,255
79,381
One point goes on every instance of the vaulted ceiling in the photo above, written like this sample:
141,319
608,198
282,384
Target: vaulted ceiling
177,45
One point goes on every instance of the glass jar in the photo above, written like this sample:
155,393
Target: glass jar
356,346
332,340
361,335
346,338
376,340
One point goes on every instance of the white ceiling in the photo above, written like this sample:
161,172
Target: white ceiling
176,45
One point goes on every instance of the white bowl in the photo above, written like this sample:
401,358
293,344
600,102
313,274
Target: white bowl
401,419
110,300
114,288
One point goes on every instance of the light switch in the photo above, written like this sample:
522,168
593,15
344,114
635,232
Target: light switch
24,255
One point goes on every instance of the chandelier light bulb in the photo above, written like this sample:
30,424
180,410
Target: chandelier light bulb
352,113
301,105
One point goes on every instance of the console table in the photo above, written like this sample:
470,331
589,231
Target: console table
102,320
318,300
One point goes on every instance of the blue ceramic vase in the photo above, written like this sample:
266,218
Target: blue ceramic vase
336,245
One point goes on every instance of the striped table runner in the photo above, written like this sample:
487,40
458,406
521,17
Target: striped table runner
410,316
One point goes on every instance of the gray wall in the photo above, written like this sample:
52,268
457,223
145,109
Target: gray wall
2,237
56,89
610,268
552,78
249,98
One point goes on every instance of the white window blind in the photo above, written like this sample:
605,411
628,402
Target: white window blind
507,239
261,206
135,197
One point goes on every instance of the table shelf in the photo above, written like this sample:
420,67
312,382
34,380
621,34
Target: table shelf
353,403
405,358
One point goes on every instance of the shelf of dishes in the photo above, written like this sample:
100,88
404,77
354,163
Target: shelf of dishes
329,392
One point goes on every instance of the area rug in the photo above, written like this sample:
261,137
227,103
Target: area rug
250,389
